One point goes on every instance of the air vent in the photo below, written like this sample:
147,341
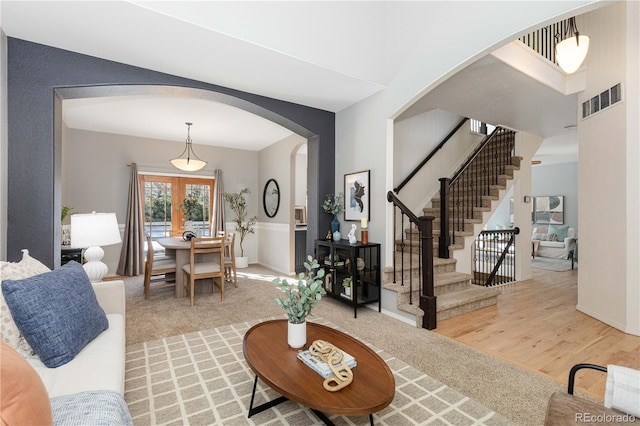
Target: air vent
602,101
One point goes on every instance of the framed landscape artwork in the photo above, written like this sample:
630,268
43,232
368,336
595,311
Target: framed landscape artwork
356,195
549,210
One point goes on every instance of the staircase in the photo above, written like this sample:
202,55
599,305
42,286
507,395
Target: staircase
454,290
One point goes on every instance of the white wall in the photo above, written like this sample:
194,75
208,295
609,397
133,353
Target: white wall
364,131
414,139
609,276
277,234
96,175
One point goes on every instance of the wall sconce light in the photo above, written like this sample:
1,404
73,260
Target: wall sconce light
571,51
527,198
191,162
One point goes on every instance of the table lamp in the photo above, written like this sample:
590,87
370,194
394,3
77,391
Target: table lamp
93,230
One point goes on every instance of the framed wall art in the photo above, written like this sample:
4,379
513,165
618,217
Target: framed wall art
549,210
357,196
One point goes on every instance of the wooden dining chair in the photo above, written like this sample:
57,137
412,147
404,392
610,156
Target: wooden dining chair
158,271
230,258
200,267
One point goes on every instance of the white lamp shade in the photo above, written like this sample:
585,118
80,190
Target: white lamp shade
570,53
188,164
94,229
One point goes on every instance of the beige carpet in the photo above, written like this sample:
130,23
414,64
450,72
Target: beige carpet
201,378
517,394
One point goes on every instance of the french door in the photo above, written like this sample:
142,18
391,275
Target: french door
172,204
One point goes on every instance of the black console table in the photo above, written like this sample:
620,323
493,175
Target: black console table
360,262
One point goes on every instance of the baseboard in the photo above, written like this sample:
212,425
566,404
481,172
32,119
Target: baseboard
410,321
608,321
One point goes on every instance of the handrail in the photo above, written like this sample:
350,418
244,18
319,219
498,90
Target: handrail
431,154
465,191
475,154
427,291
392,198
498,264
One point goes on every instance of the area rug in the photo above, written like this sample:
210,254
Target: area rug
550,264
201,378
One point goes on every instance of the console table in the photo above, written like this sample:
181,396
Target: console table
360,262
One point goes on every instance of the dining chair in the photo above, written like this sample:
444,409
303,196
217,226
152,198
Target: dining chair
211,267
230,258
156,271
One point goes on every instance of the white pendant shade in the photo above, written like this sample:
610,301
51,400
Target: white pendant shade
570,53
188,160
188,164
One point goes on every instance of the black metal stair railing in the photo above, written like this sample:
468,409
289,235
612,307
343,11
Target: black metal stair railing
494,260
470,190
423,244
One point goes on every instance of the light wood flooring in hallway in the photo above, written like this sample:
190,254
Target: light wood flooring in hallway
536,325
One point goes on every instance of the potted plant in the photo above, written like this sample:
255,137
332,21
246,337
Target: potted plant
299,299
333,204
346,283
238,204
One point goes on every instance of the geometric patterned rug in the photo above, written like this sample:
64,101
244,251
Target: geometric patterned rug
201,378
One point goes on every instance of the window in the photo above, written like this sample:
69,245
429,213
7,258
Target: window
175,204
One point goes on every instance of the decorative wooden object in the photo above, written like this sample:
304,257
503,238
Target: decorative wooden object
342,374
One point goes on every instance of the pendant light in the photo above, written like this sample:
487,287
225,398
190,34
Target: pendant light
191,162
571,51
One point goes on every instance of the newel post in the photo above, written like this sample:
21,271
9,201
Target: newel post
445,239
427,296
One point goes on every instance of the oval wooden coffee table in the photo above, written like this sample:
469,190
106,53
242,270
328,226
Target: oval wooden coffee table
269,356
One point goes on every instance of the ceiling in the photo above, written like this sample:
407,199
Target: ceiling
257,47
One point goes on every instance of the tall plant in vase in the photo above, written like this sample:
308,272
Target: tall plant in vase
238,204
299,299
333,204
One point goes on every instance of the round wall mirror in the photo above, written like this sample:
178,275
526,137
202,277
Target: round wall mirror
271,198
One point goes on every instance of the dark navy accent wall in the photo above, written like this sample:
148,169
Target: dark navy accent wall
35,72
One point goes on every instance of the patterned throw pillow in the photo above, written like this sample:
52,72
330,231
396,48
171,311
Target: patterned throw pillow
553,237
9,333
541,237
57,312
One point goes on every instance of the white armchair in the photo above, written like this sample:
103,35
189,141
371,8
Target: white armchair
554,241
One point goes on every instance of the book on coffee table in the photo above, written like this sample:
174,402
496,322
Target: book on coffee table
319,366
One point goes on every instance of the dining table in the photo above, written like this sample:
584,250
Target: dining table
179,248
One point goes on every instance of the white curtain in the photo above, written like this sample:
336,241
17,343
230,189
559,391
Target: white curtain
217,221
132,253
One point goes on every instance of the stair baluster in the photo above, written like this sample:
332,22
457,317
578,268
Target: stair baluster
424,227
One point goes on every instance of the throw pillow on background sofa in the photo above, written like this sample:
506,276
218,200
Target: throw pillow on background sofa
9,333
24,398
57,312
560,232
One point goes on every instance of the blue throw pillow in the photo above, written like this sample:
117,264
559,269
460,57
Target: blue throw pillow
57,312
560,231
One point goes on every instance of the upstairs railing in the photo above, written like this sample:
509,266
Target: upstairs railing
544,40
403,217
494,260
468,191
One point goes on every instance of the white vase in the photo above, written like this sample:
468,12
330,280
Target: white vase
297,334
347,291
242,262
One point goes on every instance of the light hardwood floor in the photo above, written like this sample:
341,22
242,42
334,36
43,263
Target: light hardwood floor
536,325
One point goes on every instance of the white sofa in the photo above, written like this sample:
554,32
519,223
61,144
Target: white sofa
101,364
546,243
